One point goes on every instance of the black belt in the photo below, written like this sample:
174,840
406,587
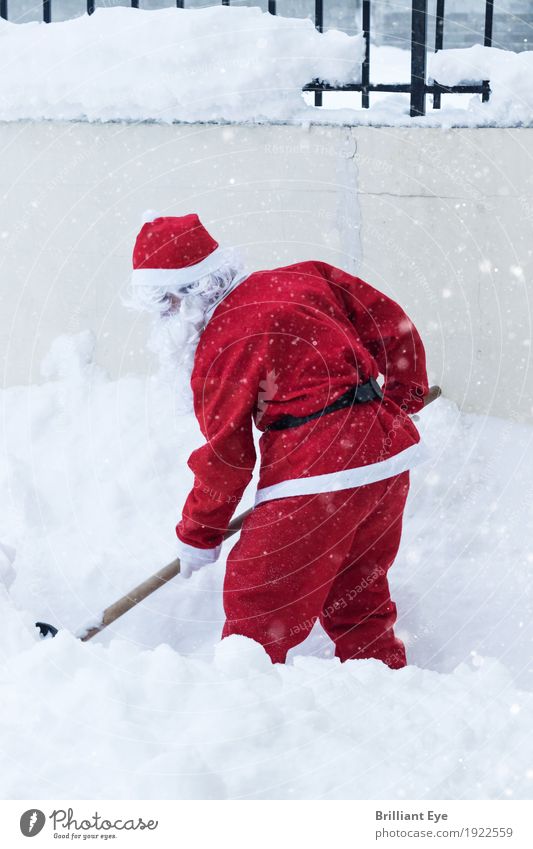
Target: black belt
360,394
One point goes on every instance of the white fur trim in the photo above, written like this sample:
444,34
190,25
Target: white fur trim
199,555
347,478
233,285
167,278
149,215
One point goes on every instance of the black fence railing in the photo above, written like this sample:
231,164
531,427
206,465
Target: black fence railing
417,88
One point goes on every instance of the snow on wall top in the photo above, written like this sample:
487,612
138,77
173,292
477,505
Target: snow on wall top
511,81
218,63
227,64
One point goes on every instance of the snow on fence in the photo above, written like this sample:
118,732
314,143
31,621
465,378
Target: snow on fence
418,86
439,219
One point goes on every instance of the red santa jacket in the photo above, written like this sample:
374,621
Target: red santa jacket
292,340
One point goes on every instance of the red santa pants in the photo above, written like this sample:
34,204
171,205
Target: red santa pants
319,556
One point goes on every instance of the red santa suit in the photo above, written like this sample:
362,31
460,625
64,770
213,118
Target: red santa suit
328,510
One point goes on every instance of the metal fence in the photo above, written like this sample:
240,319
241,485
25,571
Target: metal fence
418,86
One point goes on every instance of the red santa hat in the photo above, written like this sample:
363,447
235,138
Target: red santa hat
172,252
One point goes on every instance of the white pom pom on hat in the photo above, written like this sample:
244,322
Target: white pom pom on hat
150,215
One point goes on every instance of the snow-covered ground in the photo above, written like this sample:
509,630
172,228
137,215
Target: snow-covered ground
236,65
92,477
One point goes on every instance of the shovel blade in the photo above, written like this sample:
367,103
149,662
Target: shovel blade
46,629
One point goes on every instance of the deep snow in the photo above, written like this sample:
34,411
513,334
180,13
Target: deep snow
217,63
236,65
92,479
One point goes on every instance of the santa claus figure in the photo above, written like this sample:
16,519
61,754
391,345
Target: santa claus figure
295,352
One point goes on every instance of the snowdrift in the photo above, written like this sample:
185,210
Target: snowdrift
511,81
92,478
228,64
119,722
212,64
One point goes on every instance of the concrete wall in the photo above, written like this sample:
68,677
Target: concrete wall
447,228
71,199
440,220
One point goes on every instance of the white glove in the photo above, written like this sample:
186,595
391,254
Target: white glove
187,567
193,559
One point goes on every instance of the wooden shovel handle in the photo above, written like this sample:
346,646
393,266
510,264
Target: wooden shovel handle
120,607
433,394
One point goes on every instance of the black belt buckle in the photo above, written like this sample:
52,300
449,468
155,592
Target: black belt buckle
360,394
376,387
368,391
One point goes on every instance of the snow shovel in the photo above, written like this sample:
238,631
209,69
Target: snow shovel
120,607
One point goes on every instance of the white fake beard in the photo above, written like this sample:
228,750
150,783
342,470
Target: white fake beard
174,339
